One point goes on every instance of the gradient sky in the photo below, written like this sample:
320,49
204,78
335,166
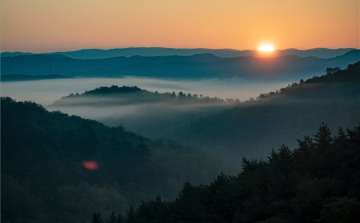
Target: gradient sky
61,25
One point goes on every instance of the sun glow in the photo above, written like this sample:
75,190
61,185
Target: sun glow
266,48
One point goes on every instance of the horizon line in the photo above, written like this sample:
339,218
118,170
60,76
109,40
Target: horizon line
159,47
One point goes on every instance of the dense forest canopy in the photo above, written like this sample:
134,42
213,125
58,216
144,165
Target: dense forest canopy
318,181
44,155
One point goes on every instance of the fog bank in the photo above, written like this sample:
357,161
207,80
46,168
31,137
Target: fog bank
46,92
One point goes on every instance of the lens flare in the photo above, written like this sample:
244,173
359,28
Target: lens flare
90,165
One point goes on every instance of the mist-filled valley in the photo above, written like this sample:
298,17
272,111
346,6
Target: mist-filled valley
228,129
180,111
143,149
226,124
46,92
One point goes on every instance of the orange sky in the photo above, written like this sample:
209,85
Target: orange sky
59,25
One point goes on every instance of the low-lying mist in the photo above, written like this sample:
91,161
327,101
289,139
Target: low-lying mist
151,114
46,92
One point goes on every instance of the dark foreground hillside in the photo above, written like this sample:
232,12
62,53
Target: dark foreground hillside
319,181
60,168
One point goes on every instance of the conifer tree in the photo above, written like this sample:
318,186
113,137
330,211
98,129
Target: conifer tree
112,218
97,218
119,218
130,215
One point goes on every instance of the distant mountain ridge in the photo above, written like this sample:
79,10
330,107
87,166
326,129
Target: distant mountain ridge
161,51
19,77
288,67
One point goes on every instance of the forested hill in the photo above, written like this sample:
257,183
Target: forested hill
319,181
322,86
113,90
126,95
252,128
60,168
335,74
147,113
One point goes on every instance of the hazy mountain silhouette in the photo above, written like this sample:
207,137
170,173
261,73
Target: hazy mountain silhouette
19,77
160,51
196,66
11,54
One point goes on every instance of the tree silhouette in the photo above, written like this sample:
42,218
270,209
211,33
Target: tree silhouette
97,218
323,137
130,215
291,186
112,218
332,70
119,219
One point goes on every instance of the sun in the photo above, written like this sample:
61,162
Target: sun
266,48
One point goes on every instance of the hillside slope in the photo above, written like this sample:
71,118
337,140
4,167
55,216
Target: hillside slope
253,127
54,165
318,181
